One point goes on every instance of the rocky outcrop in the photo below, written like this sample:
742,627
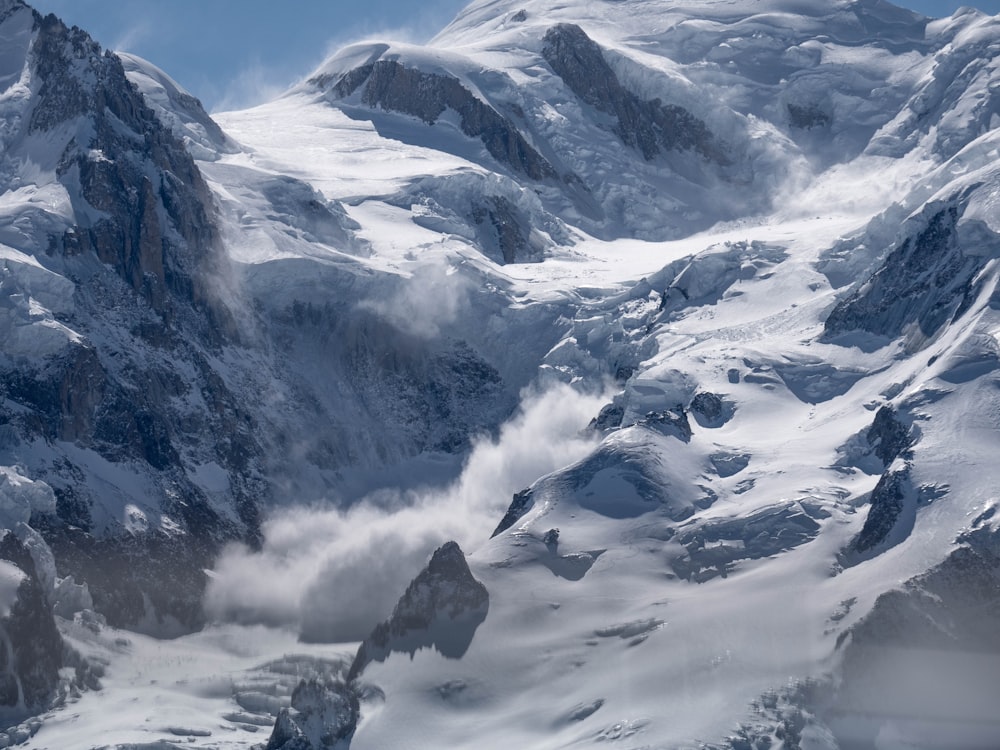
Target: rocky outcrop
323,714
888,436
927,281
441,609
31,649
147,210
707,405
610,417
670,422
392,86
503,231
133,385
150,581
890,516
649,126
519,506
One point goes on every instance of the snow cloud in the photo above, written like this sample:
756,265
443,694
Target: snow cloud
432,298
335,573
254,84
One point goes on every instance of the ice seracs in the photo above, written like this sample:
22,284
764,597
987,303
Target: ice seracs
762,231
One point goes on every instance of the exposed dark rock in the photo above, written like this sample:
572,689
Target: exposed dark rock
609,418
151,581
628,630
927,280
143,253
672,422
708,405
130,416
623,373
551,539
441,608
519,506
63,396
710,409
323,713
650,126
585,710
890,498
31,651
155,226
299,205
888,437
392,86
781,719
439,391
503,231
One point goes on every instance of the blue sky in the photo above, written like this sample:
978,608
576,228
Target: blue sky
233,53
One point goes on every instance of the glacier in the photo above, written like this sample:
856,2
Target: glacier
600,373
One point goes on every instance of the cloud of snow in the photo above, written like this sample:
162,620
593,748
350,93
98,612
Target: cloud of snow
419,29
334,573
133,36
431,298
255,84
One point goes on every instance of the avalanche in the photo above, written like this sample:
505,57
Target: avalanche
692,306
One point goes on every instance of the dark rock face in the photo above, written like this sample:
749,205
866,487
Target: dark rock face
649,126
888,436
707,405
323,714
75,398
156,228
519,506
927,280
441,608
143,254
671,422
502,231
394,87
890,498
609,418
435,388
151,581
31,652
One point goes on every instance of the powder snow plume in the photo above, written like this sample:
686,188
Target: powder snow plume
334,573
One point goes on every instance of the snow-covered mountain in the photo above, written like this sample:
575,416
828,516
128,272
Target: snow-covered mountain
709,289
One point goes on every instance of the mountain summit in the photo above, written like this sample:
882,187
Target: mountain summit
680,319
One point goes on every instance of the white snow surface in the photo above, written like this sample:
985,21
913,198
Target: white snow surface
600,640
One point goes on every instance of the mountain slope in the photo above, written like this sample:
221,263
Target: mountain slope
761,232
